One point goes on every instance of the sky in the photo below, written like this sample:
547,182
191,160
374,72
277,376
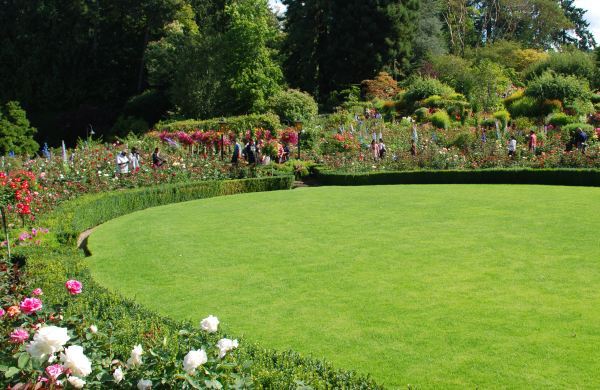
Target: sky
592,16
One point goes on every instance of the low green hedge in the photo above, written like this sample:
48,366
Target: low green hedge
567,177
49,266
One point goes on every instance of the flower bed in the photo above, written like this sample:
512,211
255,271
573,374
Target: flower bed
105,341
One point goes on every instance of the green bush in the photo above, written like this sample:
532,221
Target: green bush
441,120
238,124
16,133
292,105
570,63
129,124
567,89
422,114
561,119
150,106
421,88
463,141
503,117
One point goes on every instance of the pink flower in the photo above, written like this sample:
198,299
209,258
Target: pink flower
74,286
18,336
37,292
2,312
54,371
30,305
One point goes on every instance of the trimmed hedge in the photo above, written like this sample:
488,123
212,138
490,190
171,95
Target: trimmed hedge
237,124
566,177
49,266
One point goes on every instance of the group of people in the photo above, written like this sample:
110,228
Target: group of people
130,162
252,153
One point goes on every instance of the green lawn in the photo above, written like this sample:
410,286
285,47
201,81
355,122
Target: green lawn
435,286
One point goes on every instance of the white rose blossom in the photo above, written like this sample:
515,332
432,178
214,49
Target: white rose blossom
47,341
74,359
76,382
193,360
210,324
136,356
118,375
226,345
93,329
144,384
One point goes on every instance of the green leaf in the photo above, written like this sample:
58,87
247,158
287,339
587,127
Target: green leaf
193,382
3,368
213,384
23,360
11,372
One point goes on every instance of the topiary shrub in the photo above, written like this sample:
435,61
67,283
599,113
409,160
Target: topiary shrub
421,88
561,119
567,89
570,63
293,105
441,120
237,124
16,133
422,115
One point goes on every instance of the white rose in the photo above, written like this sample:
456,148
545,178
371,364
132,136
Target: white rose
193,360
136,356
210,324
77,383
226,345
74,359
93,329
144,384
118,375
47,341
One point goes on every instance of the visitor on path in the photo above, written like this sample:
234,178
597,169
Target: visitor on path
250,152
532,141
375,150
157,161
286,152
483,136
581,138
134,157
123,162
237,152
512,146
414,136
382,149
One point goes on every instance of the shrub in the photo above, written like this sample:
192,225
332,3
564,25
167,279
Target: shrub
421,88
150,106
570,63
16,134
567,89
382,87
129,124
441,120
292,105
463,141
422,114
561,119
503,117
238,124
526,106
523,123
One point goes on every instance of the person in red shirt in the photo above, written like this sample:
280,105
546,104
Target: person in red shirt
532,141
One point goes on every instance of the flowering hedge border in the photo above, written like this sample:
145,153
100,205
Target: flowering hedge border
563,177
48,266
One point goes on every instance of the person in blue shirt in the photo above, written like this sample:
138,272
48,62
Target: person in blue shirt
237,152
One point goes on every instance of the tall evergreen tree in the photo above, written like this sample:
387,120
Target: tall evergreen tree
580,35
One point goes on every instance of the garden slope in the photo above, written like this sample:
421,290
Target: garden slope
453,286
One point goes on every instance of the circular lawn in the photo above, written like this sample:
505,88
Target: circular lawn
432,286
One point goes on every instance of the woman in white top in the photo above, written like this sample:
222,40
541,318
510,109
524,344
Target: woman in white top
512,146
134,158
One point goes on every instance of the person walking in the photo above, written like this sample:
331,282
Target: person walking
157,161
250,152
512,146
382,149
375,150
532,141
581,138
123,163
237,152
134,157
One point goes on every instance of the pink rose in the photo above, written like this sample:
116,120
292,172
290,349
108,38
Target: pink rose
74,286
37,292
30,305
54,371
2,312
18,336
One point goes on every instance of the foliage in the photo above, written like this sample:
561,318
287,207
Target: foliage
560,119
503,117
490,82
382,87
440,119
567,63
293,105
237,124
567,89
568,131
16,134
130,124
420,88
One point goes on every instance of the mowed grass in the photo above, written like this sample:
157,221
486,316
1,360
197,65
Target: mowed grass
451,286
